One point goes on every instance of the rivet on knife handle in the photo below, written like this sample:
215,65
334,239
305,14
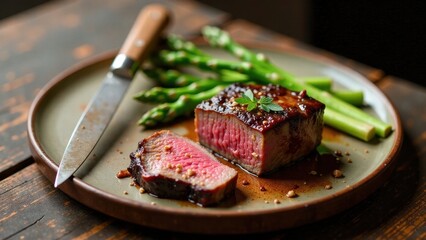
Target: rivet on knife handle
144,33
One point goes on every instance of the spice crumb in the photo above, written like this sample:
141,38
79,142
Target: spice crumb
123,174
267,202
167,147
338,153
347,153
190,172
291,194
349,160
132,184
276,201
153,203
366,151
141,190
245,182
262,188
328,186
255,155
125,192
337,173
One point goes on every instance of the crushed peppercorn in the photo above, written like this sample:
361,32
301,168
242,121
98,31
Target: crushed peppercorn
337,173
291,194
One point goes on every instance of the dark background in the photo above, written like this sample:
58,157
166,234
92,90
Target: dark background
389,35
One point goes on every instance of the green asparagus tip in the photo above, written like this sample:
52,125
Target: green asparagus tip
216,36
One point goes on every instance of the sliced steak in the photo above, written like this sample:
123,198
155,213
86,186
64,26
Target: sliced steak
170,166
260,141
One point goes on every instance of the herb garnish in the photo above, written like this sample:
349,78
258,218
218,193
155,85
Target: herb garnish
264,103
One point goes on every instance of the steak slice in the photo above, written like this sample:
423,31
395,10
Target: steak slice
170,166
260,141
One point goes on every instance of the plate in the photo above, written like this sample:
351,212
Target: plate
259,206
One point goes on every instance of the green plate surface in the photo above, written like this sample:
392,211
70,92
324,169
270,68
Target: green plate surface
60,104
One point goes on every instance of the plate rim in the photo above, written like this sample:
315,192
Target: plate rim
242,222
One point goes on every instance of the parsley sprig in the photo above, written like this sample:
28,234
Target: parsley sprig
264,103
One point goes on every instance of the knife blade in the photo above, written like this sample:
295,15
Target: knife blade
145,31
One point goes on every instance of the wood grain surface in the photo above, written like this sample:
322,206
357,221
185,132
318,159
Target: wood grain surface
39,44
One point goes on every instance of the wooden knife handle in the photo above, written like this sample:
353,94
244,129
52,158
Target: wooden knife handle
142,37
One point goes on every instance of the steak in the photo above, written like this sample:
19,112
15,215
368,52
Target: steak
171,166
257,140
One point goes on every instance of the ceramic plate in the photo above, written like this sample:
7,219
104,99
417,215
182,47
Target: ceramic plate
59,105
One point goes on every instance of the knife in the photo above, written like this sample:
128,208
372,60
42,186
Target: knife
146,30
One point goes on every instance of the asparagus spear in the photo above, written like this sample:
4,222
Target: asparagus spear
220,38
322,82
170,77
355,98
348,125
185,105
217,37
161,95
178,44
175,58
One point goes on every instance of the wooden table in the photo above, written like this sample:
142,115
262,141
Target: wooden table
38,44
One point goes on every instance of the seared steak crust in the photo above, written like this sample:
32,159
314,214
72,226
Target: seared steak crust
297,105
